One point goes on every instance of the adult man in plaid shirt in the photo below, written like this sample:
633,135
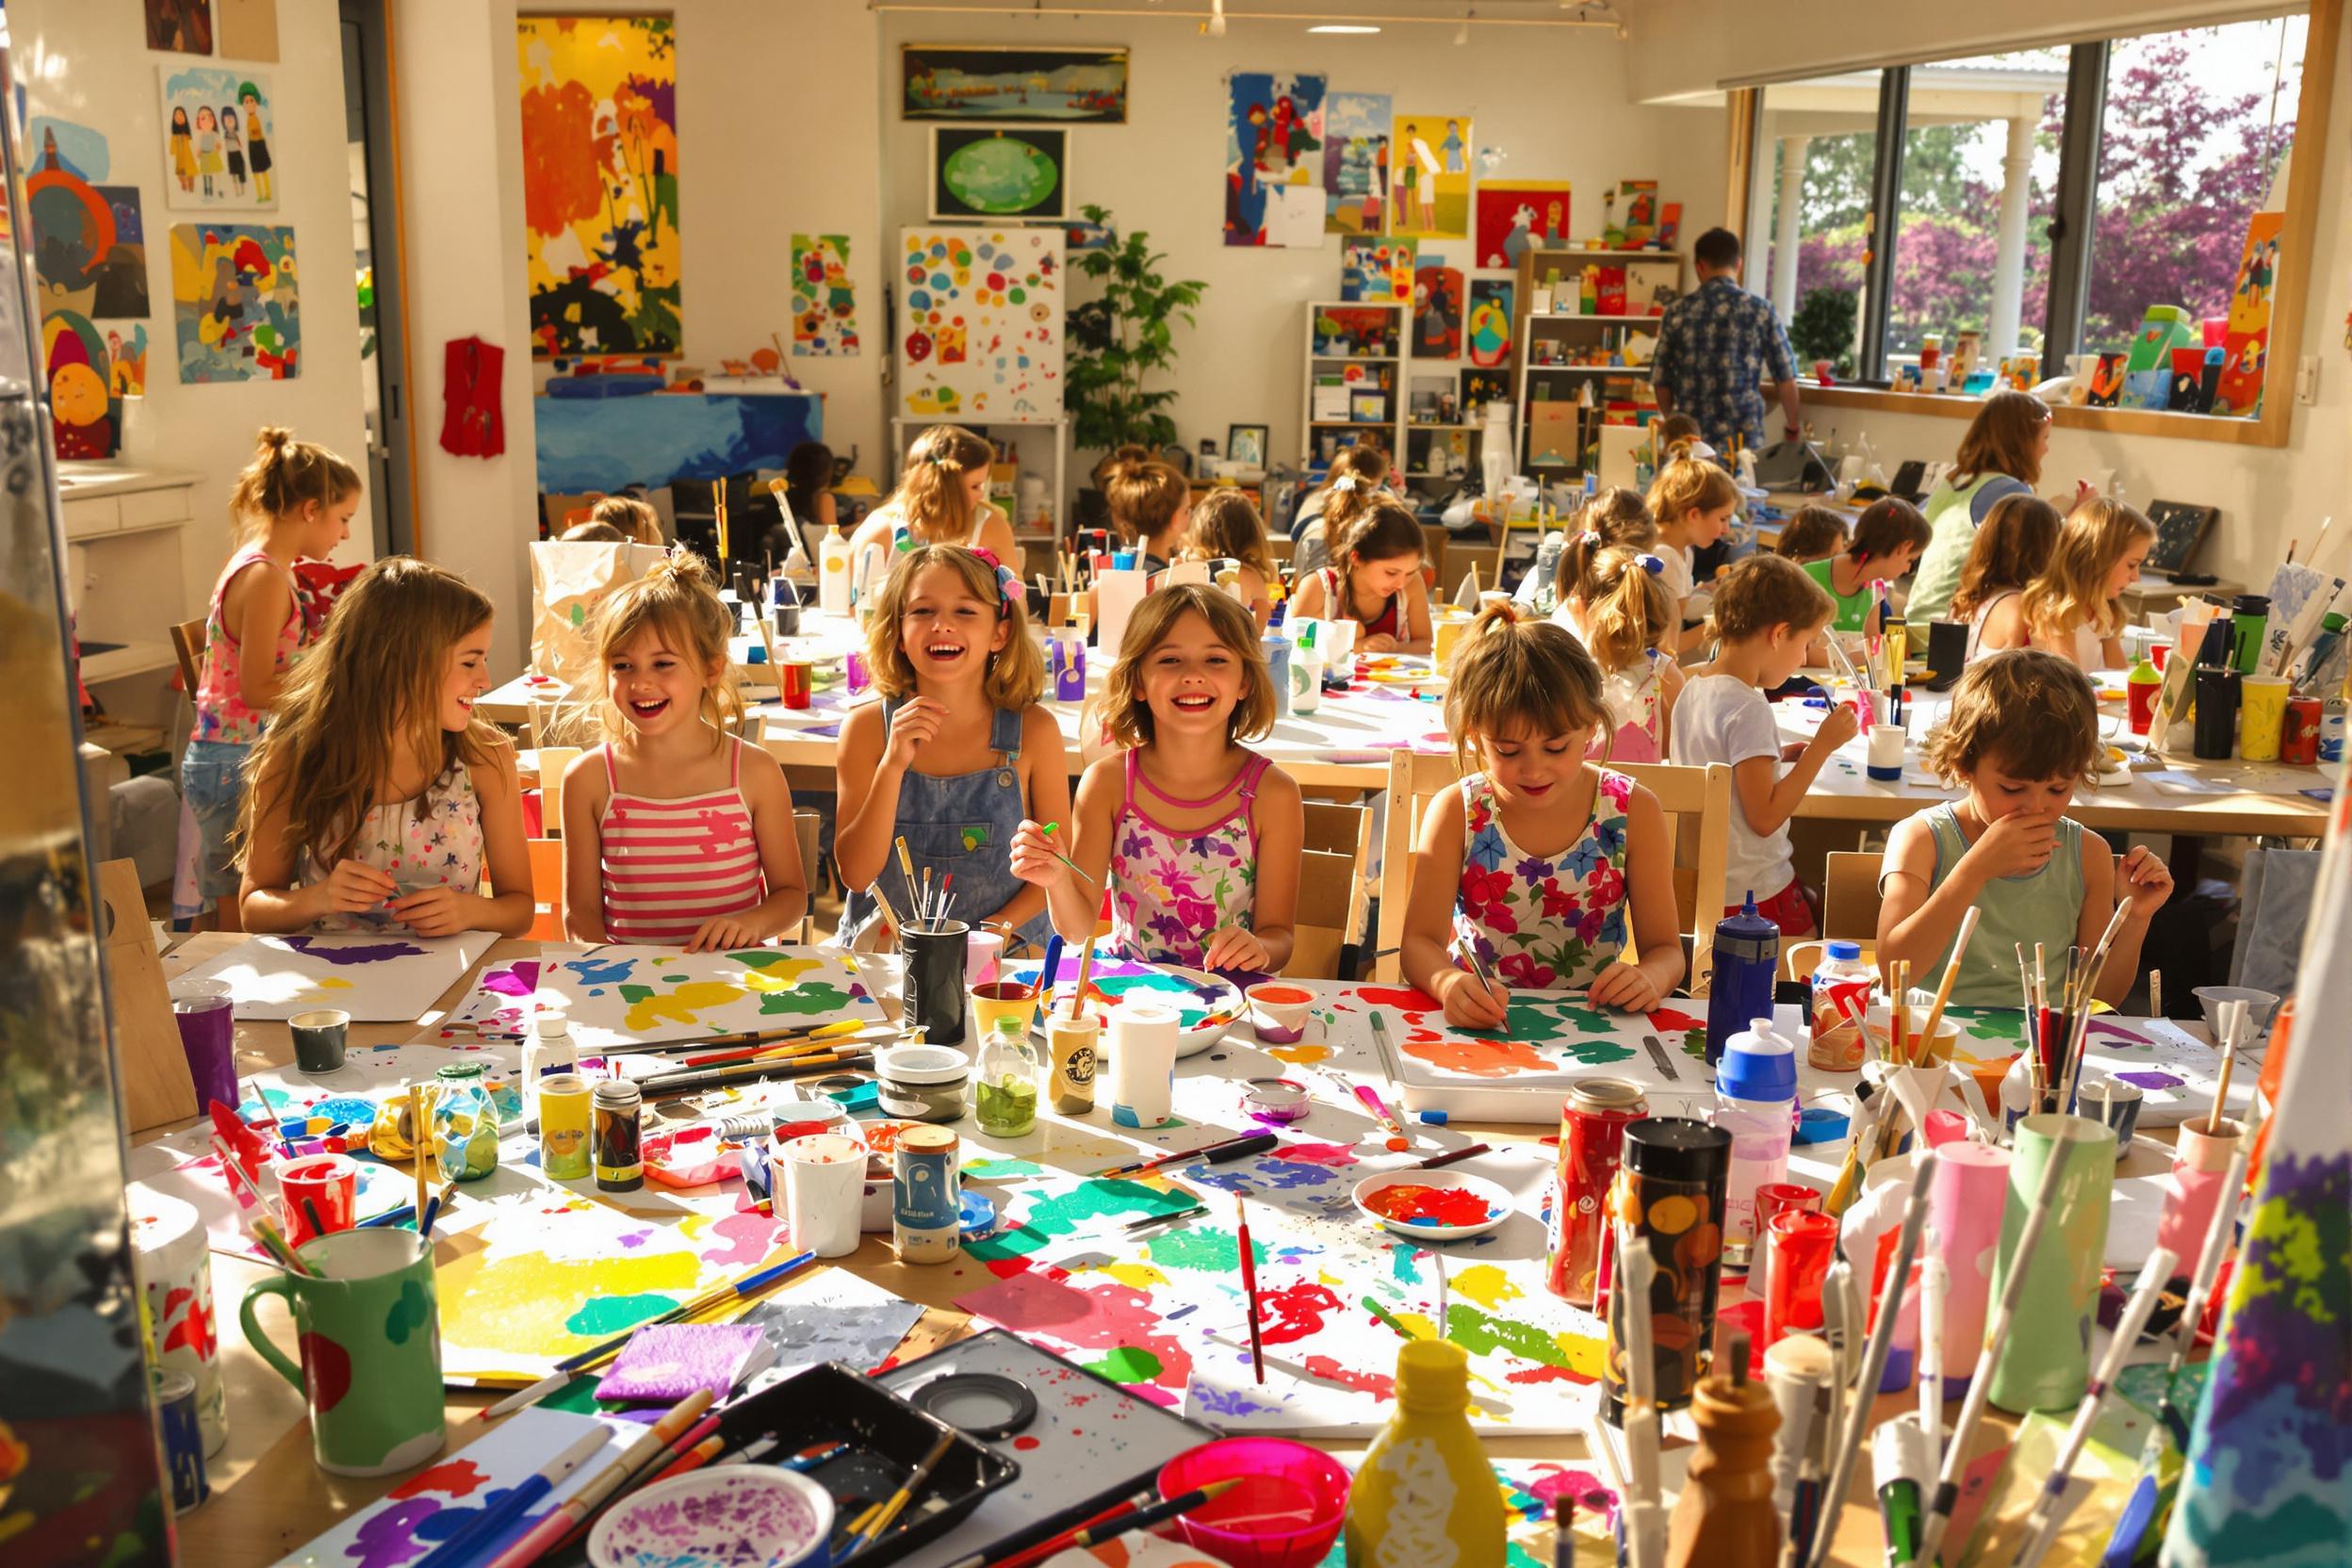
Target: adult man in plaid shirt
1716,347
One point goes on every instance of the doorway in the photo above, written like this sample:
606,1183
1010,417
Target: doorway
376,247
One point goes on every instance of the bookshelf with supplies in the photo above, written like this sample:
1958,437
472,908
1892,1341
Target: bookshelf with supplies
1355,377
1586,332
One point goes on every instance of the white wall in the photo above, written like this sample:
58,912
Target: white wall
1553,102
87,61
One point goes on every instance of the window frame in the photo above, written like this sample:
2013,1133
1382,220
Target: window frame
2070,232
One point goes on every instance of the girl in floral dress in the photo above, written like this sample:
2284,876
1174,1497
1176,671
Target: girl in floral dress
1196,837
1547,865
378,798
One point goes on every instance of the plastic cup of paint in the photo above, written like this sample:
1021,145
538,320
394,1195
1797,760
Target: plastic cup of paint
2116,1102
1277,1100
320,1035
1885,755
983,951
1279,1012
1286,1512
820,1184
324,1184
1003,999
207,1022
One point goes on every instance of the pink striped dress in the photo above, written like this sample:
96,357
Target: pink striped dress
668,865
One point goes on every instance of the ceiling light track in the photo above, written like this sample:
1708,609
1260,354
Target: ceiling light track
1211,20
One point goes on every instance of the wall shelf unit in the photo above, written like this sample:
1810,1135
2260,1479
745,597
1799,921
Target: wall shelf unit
1552,443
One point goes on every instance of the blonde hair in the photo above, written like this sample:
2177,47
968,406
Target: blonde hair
2000,440
1686,485
1016,672
2072,589
1614,516
2011,548
1510,672
2032,712
592,534
1813,534
634,520
1125,716
1226,526
1766,590
1386,531
930,494
1144,495
285,475
1363,467
1627,607
676,602
374,676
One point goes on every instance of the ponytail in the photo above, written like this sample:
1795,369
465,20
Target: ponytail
1627,607
285,475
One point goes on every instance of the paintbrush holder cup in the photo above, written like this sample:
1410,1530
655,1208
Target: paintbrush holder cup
2200,1169
933,997
2045,1361
369,1323
1964,1201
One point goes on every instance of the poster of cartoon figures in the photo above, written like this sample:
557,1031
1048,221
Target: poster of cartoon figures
219,134
1436,310
1430,176
824,302
980,323
2246,341
1355,163
1519,216
234,302
601,184
1273,158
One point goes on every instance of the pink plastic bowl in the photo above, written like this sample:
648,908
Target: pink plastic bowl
1286,1512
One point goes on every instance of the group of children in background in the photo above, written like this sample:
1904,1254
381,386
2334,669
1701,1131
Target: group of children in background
365,793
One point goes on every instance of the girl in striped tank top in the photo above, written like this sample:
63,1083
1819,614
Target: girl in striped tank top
676,833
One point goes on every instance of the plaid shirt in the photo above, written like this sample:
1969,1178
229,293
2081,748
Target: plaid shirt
1716,347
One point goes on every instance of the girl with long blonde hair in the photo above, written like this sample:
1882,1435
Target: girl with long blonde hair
379,800
1615,601
2075,607
941,499
1226,526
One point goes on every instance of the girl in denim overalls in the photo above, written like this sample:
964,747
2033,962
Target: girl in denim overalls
957,754
1196,836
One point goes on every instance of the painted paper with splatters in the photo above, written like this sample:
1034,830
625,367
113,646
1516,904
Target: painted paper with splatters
1273,140
377,979
549,1275
236,303
980,323
429,1506
824,301
2176,1074
600,160
619,996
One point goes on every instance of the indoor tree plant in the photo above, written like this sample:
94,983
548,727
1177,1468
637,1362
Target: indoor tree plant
1122,337
1823,328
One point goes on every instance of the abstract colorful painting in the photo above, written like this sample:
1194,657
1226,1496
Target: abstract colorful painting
220,133
994,173
834,1317
1519,216
1490,328
1376,268
126,354
2271,1444
182,27
600,159
2246,343
824,302
90,242
1273,140
380,979
619,996
235,303
980,323
976,82
1436,310
1430,176
1355,163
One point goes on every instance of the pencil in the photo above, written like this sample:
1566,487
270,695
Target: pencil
420,1140
1249,1288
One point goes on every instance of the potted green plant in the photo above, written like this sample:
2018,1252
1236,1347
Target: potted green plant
1823,328
1122,337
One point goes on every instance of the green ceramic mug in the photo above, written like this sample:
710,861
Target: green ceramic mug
2045,1364
369,1326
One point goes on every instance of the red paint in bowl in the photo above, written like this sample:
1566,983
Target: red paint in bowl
1286,1513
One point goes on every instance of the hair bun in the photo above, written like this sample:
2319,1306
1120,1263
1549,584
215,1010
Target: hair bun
1502,614
275,438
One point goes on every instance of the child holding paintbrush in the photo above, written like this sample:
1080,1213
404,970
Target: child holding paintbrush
2022,729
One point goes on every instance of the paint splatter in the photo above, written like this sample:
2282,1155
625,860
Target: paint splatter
2151,1080
459,1477
1319,1153
1295,1311
817,996
601,972
520,980
1000,1170
1205,1248
327,950
1378,1384
1412,1203
1126,1365
748,1237
1062,1214
600,1316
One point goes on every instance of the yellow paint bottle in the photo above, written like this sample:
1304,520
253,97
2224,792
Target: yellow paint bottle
1426,1496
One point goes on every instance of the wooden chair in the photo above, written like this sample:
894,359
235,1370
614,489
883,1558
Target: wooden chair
1283,547
1849,911
1335,828
546,886
806,826
1325,907
1697,804
188,641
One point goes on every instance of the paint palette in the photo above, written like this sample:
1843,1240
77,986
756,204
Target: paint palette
1207,1005
1433,1205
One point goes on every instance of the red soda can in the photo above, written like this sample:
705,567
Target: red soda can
1591,1127
2299,737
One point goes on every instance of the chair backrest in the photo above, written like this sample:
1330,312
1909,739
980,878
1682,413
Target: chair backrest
188,641
1338,827
1324,908
1697,804
807,824
547,888
1850,896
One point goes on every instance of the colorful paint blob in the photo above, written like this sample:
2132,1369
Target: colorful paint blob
1409,1203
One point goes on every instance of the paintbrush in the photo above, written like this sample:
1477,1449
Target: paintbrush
2233,1032
1469,956
420,1140
916,1480
1438,1162
2094,972
1090,884
492,1520
268,1235
1388,1320
1951,972
1249,1288
1645,1533
672,1084
1085,973
1995,1335
873,890
560,1521
1216,1153
1157,1515
1437,1261
1934,1282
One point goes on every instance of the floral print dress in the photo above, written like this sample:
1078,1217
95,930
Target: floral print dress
437,846
1541,923
1172,889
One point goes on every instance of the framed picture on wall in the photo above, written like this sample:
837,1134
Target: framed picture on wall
969,81
1000,173
1245,445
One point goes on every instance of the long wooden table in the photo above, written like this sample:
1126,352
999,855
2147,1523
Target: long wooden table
268,1497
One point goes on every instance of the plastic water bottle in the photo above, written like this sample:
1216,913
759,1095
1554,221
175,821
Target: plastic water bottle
1542,576
1756,1094
833,573
1747,959
1306,674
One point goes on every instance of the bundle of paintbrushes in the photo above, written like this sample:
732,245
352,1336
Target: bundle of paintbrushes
931,905
2055,1035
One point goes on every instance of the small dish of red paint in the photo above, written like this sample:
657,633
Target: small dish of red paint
1433,1205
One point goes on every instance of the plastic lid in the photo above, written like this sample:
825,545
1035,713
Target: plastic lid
1433,1374
2251,604
922,1064
551,1024
1757,1065
1845,952
1748,924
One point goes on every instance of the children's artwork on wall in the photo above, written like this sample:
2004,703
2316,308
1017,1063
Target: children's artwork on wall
183,27
1374,267
378,979
1355,162
219,143
1487,331
998,173
1430,176
1641,199
1436,310
1017,82
980,323
89,260
615,996
1519,216
1478,388
587,444
600,157
248,28
87,417
2246,344
235,303
126,354
824,302
1274,138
